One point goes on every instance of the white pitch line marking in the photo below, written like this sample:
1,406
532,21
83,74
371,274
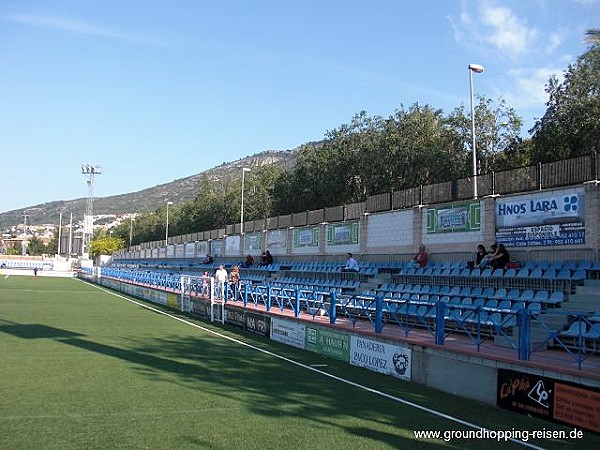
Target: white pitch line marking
314,369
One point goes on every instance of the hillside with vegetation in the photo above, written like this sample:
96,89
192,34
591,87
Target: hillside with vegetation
146,200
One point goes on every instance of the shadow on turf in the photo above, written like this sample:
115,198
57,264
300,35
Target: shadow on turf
34,331
268,387
263,384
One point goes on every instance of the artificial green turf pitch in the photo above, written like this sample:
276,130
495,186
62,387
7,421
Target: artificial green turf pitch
83,368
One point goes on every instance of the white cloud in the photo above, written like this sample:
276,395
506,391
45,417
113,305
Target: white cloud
80,27
506,31
527,86
555,40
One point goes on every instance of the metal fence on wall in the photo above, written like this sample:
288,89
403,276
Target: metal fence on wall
523,179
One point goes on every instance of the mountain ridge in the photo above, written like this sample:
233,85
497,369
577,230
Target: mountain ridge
146,200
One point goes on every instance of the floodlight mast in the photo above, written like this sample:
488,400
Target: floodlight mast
477,68
90,171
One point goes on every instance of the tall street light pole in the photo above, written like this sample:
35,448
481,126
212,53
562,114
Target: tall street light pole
167,227
131,230
477,69
59,233
24,241
244,170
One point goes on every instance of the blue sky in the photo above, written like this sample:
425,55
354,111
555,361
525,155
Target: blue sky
155,91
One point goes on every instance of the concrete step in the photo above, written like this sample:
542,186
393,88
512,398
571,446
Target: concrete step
513,342
588,290
539,332
584,297
581,304
551,320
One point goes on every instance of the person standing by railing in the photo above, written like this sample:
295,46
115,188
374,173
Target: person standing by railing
220,279
234,281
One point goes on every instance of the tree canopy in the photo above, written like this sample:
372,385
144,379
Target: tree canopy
417,145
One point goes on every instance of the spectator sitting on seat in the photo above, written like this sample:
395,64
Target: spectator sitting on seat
485,261
501,258
208,260
479,255
351,264
263,259
269,258
249,261
421,258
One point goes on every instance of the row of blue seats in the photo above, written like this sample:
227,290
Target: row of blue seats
365,268
558,265
580,328
532,305
538,273
403,291
344,284
307,287
423,312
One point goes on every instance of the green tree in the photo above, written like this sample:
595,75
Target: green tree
52,245
571,124
498,142
106,245
36,247
15,250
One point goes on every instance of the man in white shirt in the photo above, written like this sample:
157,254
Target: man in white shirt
220,279
351,264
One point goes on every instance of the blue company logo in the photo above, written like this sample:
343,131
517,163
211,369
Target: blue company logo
571,203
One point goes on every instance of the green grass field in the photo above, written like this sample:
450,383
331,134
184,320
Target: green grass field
83,368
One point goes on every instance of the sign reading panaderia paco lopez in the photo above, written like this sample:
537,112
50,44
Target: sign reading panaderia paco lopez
381,357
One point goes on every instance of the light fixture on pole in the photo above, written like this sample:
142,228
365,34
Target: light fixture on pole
90,171
477,69
244,170
167,227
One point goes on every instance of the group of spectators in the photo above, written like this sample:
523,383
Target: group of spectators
266,259
496,258
233,277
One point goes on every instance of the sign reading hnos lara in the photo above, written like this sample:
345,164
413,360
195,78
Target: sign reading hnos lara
542,219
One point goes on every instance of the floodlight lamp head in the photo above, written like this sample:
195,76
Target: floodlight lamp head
89,169
477,68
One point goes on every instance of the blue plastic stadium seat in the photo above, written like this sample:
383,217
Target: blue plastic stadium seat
577,328
527,295
501,294
541,296
504,304
593,333
556,298
492,303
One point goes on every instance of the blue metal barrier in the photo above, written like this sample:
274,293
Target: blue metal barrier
440,318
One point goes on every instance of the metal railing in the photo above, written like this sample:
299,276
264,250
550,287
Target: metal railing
440,318
538,176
